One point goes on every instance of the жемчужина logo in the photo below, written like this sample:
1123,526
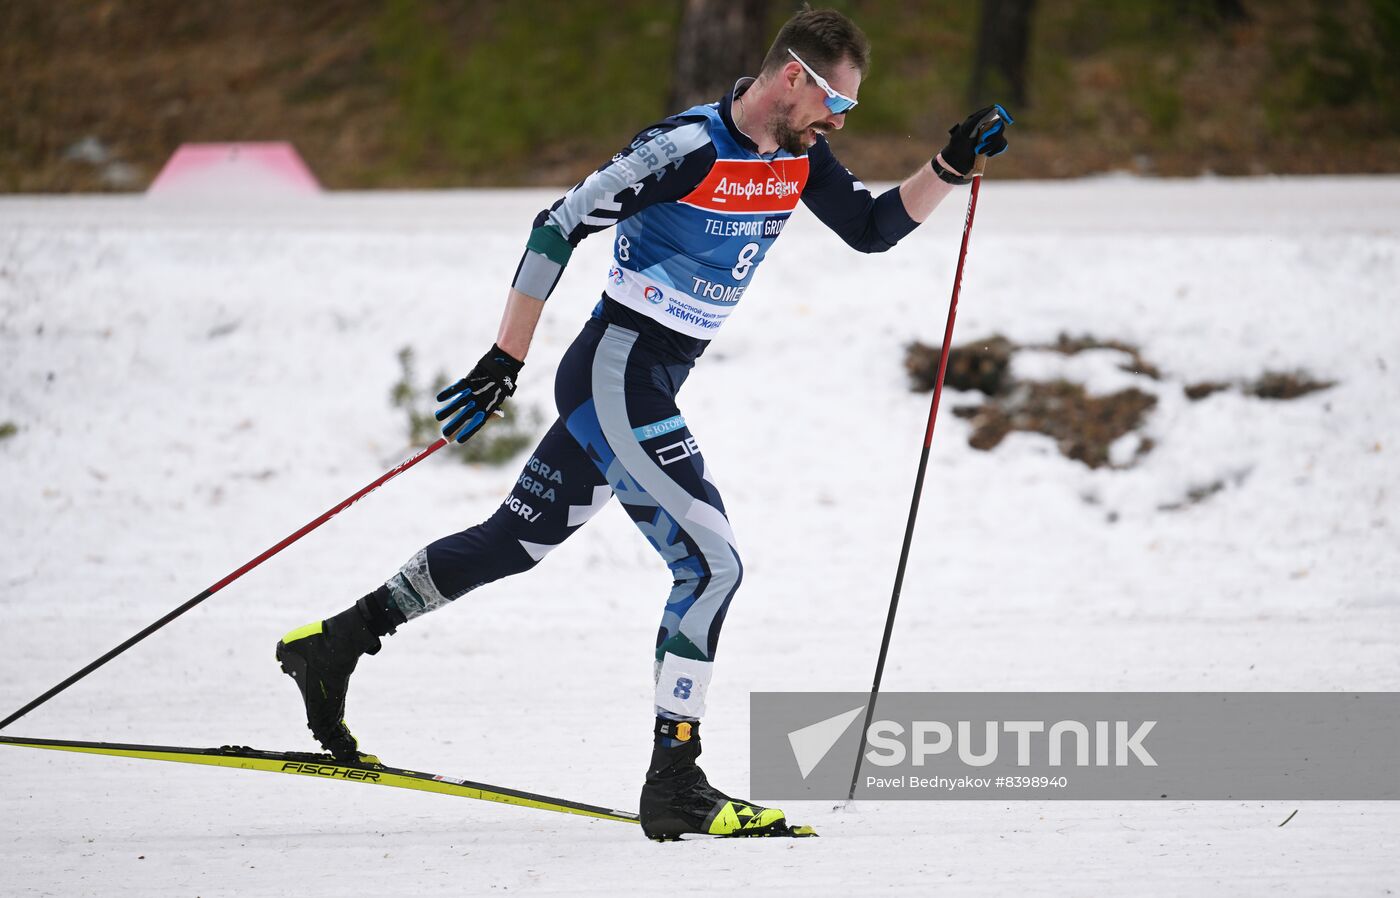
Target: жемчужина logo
653,295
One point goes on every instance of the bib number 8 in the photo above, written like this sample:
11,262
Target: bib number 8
624,249
742,268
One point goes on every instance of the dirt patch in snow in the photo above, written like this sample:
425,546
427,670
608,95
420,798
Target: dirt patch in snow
1269,385
1084,426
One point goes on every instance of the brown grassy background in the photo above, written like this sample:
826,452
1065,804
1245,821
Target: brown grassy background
96,94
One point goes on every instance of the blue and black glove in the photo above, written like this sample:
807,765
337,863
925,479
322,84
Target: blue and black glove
981,134
478,394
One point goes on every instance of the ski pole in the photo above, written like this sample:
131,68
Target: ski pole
380,481
977,171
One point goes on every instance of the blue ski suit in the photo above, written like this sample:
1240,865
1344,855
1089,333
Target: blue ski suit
696,208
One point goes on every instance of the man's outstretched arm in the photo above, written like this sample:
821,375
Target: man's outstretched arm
661,164
518,323
873,224
921,193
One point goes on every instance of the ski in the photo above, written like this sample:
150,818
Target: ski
241,757
368,770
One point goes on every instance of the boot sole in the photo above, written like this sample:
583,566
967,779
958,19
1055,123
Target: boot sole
776,831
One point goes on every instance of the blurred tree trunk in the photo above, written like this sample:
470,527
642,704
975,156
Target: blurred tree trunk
1003,47
718,42
1212,12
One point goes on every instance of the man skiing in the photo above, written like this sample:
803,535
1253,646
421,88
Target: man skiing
697,199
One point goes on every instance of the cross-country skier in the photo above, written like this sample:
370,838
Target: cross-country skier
697,199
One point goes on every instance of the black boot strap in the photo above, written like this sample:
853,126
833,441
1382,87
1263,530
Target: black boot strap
679,730
379,612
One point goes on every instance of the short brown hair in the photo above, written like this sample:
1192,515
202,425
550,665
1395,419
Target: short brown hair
823,38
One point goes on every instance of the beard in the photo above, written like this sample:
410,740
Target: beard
793,140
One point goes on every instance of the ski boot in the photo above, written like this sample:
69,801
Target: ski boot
320,657
677,799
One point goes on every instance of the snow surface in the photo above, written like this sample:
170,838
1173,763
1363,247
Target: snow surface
192,383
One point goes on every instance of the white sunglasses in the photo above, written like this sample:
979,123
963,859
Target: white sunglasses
836,101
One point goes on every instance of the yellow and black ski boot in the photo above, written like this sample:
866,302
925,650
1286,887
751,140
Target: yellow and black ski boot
320,657
677,800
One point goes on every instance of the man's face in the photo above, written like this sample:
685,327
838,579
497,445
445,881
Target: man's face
802,114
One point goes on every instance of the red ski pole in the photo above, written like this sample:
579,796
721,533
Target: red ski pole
380,481
923,460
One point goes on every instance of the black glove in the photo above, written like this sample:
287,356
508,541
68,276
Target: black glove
478,394
982,133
